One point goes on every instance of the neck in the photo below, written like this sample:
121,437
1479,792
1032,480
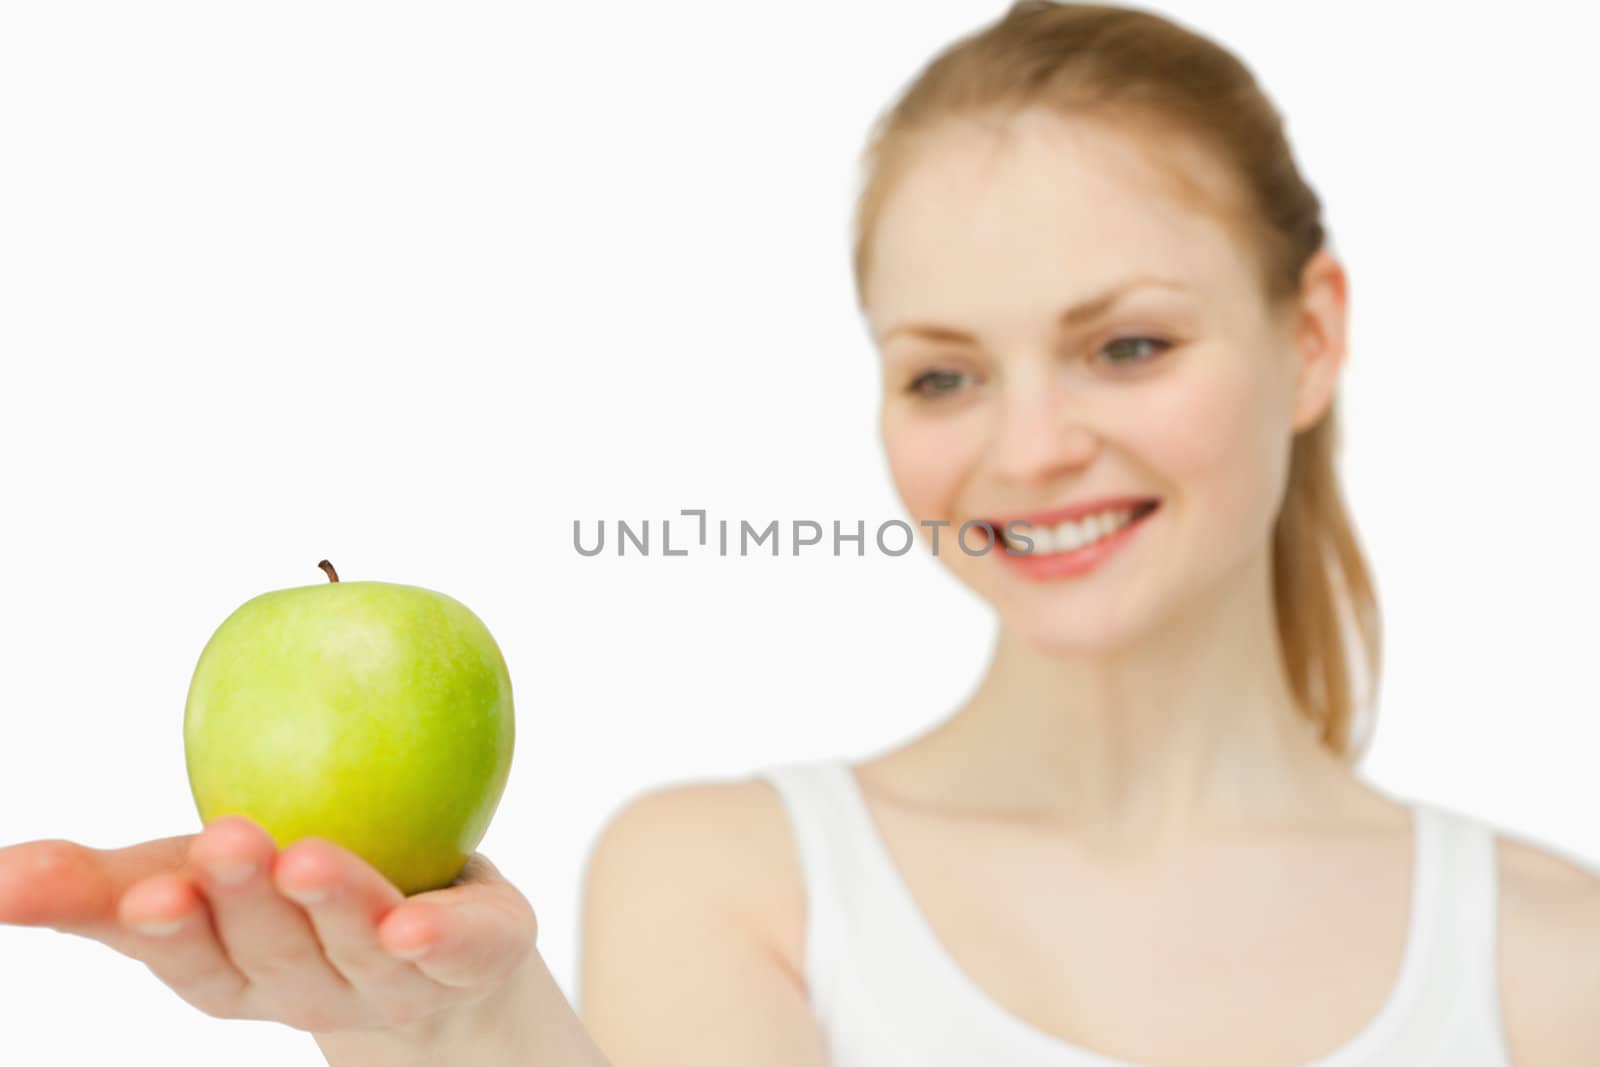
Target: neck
1190,729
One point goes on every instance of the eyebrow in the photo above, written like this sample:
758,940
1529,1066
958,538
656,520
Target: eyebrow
1072,317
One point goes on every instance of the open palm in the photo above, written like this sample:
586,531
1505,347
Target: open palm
311,936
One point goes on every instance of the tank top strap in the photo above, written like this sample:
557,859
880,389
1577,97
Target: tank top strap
830,864
1459,988
876,978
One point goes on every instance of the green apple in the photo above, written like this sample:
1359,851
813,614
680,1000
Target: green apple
375,715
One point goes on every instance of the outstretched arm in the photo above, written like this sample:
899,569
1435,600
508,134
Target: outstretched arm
315,938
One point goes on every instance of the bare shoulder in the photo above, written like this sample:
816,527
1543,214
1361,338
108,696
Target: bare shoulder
682,961
726,842
1550,954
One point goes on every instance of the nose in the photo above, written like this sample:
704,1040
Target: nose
1040,434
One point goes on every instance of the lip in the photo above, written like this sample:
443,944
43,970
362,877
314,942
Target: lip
1071,511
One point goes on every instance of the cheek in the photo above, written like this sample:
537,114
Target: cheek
928,459
1217,438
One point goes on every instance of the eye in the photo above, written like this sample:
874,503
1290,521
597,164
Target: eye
1123,351
935,383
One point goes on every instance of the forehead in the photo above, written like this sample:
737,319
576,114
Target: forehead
1013,220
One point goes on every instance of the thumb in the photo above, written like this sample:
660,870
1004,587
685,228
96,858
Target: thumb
470,934
75,889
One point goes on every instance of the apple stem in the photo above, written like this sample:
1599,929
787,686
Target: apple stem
333,575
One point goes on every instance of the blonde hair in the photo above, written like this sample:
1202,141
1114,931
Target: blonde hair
1148,74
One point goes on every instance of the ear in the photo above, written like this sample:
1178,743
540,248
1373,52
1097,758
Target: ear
1318,335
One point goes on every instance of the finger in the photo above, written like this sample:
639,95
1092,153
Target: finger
473,933
75,889
345,899
171,930
267,937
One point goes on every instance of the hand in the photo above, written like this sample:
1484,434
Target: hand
311,936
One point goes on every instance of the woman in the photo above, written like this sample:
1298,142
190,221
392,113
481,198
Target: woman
1111,331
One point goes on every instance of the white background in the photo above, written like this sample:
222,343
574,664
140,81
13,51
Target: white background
412,287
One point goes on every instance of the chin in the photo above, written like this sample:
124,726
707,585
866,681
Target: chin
1069,645
1050,629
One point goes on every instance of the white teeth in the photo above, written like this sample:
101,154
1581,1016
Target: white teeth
1069,536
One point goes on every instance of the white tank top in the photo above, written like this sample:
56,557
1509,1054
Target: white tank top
887,993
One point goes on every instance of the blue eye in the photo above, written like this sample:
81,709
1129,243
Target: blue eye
1130,344
935,383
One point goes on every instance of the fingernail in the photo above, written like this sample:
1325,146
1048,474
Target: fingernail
160,929
232,873
305,894
411,952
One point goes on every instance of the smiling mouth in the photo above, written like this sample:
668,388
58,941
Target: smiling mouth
1069,537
